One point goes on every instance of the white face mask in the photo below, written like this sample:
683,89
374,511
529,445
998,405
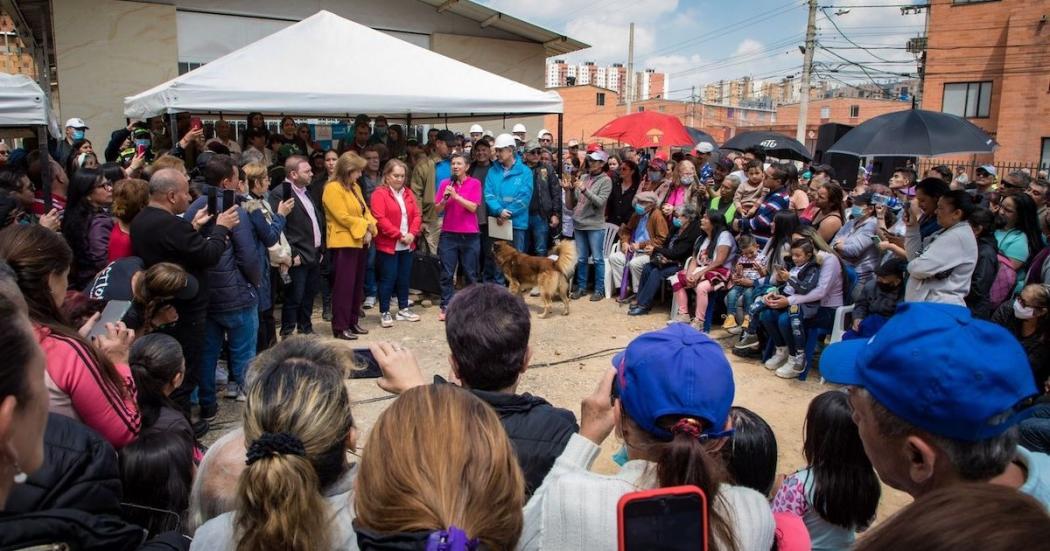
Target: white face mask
1022,312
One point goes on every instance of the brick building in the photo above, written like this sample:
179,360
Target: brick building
15,57
987,61
587,108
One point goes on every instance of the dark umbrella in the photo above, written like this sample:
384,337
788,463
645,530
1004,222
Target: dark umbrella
774,145
700,136
914,133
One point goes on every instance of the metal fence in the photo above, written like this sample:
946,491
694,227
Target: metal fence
970,166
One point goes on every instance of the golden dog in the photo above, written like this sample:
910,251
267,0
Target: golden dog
525,272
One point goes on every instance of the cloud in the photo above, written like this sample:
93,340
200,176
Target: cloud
749,46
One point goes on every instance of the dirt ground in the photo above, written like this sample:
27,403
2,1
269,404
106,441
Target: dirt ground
590,327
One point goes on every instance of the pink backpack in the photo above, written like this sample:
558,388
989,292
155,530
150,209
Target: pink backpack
1005,280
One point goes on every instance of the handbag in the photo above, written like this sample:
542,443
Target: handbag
426,269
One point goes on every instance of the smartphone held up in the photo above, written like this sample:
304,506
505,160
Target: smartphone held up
670,519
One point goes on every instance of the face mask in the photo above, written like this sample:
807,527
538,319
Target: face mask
886,287
687,180
677,222
620,457
639,209
1022,312
655,176
78,135
855,212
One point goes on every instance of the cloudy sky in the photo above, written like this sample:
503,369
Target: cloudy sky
702,41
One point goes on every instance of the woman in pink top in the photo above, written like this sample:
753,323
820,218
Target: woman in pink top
460,245
91,384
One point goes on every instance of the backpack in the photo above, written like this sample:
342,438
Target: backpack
1004,282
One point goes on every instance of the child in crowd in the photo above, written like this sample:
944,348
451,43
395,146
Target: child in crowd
158,366
878,299
749,268
801,279
837,493
749,193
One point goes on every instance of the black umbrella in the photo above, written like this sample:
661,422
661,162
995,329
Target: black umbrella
774,145
914,133
700,136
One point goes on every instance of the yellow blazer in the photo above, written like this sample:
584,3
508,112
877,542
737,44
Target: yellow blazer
347,217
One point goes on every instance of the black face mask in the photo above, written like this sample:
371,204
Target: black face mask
887,287
1000,221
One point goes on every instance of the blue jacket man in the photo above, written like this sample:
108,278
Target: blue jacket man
508,189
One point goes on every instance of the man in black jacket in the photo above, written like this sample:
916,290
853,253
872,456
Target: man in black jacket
487,328
159,234
305,233
479,169
545,206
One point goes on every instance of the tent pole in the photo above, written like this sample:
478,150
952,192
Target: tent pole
559,163
173,127
408,127
45,167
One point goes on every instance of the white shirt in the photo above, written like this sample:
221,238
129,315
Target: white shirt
303,197
404,218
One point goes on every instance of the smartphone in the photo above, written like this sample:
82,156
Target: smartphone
787,261
213,202
229,199
112,313
669,519
196,123
286,191
366,365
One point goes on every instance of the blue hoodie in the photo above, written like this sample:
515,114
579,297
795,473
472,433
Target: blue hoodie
509,190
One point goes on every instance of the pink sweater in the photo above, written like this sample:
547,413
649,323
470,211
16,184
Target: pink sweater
457,218
77,389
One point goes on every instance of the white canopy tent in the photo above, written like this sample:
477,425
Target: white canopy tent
326,65
24,104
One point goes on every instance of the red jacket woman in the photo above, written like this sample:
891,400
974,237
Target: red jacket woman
398,221
387,212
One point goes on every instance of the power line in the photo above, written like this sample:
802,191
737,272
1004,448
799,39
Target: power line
836,25
730,28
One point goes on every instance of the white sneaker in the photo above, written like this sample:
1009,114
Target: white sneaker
406,315
232,390
779,358
370,302
386,320
241,397
535,292
792,368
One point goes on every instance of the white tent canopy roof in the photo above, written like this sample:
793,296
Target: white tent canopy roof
23,103
328,65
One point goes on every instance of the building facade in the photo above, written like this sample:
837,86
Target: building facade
987,61
647,84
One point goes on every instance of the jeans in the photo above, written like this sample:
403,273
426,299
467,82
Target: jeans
538,235
734,295
457,250
370,272
521,238
348,286
590,244
789,329
1034,431
395,272
240,328
299,298
653,278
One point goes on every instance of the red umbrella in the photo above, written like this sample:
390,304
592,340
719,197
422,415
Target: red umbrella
647,129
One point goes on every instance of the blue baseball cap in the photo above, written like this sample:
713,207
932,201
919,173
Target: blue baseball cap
676,371
938,368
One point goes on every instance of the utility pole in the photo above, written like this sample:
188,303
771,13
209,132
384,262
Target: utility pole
692,105
807,66
630,69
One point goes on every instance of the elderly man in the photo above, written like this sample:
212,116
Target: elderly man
1015,182
224,137
643,232
952,421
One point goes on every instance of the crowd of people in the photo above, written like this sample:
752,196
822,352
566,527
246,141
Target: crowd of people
195,242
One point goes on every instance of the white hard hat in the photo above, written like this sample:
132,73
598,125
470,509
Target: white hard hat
476,129
519,128
79,123
543,133
487,133
504,140
704,147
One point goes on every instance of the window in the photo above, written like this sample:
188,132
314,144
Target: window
825,112
1044,158
967,99
187,66
599,98
641,108
854,111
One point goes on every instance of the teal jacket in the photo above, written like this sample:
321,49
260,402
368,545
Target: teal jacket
509,190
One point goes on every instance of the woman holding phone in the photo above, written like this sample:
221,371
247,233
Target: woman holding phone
459,244
351,228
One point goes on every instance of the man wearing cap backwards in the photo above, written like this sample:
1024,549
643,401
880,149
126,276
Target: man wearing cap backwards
508,191
937,395
76,129
545,205
672,390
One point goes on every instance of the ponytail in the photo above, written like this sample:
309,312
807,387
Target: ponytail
280,505
685,461
155,360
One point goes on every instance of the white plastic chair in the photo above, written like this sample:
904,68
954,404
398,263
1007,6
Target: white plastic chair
839,327
612,244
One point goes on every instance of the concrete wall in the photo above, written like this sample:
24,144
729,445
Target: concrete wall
519,61
106,50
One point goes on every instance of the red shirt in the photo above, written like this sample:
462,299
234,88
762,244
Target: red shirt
387,213
119,243
57,202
